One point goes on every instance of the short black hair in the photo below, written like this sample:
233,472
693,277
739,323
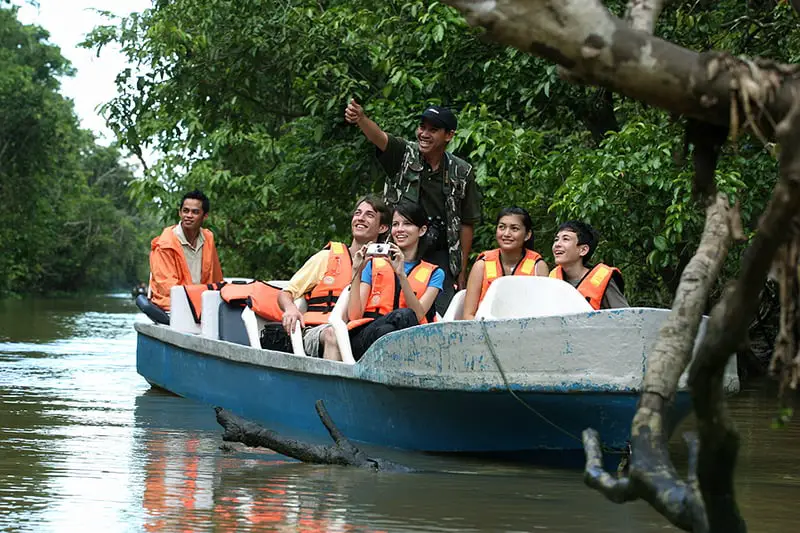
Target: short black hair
586,235
197,194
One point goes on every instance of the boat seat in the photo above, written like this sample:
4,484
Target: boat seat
153,312
209,321
455,311
279,283
254,323
338,321
530,296
180,315
231,327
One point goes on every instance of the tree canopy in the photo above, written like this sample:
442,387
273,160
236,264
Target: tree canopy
245,100
67,223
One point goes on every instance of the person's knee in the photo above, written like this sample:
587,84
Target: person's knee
404,318
328,336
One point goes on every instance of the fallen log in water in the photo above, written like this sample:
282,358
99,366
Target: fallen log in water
342,452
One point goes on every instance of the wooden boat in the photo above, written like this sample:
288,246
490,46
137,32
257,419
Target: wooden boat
496,385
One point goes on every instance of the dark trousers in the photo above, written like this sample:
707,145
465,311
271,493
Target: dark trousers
362,337
441,259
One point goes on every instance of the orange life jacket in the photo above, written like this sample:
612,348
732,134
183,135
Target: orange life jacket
194,293
337,277
385,294
260,296
168,265
594,284
493,268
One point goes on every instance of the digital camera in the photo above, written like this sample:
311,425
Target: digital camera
378,248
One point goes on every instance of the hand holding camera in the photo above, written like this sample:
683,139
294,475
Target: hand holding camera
378,249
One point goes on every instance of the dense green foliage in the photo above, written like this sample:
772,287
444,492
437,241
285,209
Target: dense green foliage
245,99
66,222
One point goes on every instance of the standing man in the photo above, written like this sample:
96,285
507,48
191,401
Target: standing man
423,172
184,254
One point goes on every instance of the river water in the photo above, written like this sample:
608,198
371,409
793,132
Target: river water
86,445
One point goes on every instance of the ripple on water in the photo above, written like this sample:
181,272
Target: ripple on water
87,446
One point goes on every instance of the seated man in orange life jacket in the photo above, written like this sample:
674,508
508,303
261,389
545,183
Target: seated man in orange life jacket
184,254
601,285
325,275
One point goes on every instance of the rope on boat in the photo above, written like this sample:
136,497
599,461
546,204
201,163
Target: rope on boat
522,401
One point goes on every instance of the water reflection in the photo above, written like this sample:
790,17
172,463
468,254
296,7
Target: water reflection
87,445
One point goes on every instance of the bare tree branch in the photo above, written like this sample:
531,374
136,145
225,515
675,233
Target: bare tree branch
642,14
600,49
726,329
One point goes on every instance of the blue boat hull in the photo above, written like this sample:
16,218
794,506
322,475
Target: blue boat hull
466,421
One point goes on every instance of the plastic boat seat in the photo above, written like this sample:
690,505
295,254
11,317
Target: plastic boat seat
153,312
180,315
455,311
530,296
209,321
254,323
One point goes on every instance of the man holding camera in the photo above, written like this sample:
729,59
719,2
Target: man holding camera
325,275
423,172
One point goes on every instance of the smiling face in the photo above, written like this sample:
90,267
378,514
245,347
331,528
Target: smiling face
192,216
406,234
511,233
366,223
432,139
566,249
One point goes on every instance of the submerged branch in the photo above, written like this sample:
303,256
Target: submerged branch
343,452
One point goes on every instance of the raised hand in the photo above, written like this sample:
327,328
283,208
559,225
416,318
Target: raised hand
354,112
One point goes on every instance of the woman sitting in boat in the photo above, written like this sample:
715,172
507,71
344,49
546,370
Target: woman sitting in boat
397,289
514,257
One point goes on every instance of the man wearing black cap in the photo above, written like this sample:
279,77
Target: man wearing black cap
424,172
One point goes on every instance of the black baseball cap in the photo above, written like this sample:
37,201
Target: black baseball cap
440,117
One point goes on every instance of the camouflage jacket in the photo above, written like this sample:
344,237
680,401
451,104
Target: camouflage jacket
406,184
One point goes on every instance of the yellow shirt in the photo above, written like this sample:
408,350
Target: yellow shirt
311,273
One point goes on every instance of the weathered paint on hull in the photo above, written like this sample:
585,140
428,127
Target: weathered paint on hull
480,420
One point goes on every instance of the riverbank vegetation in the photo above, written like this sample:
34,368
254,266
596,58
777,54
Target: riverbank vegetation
66,223
245,100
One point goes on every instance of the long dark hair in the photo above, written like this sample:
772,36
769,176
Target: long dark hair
415,214
526,221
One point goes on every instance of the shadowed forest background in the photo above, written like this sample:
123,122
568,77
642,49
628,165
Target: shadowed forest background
245,99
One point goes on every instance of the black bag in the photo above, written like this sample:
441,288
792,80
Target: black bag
274,337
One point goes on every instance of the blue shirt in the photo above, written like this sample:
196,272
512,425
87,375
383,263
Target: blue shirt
436,280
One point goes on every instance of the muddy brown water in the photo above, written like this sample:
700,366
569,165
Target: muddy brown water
86,445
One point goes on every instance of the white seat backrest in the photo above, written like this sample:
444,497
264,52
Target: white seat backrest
530,296
455,311
338,321
252,326
209,321
180,315
279,283
254,323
